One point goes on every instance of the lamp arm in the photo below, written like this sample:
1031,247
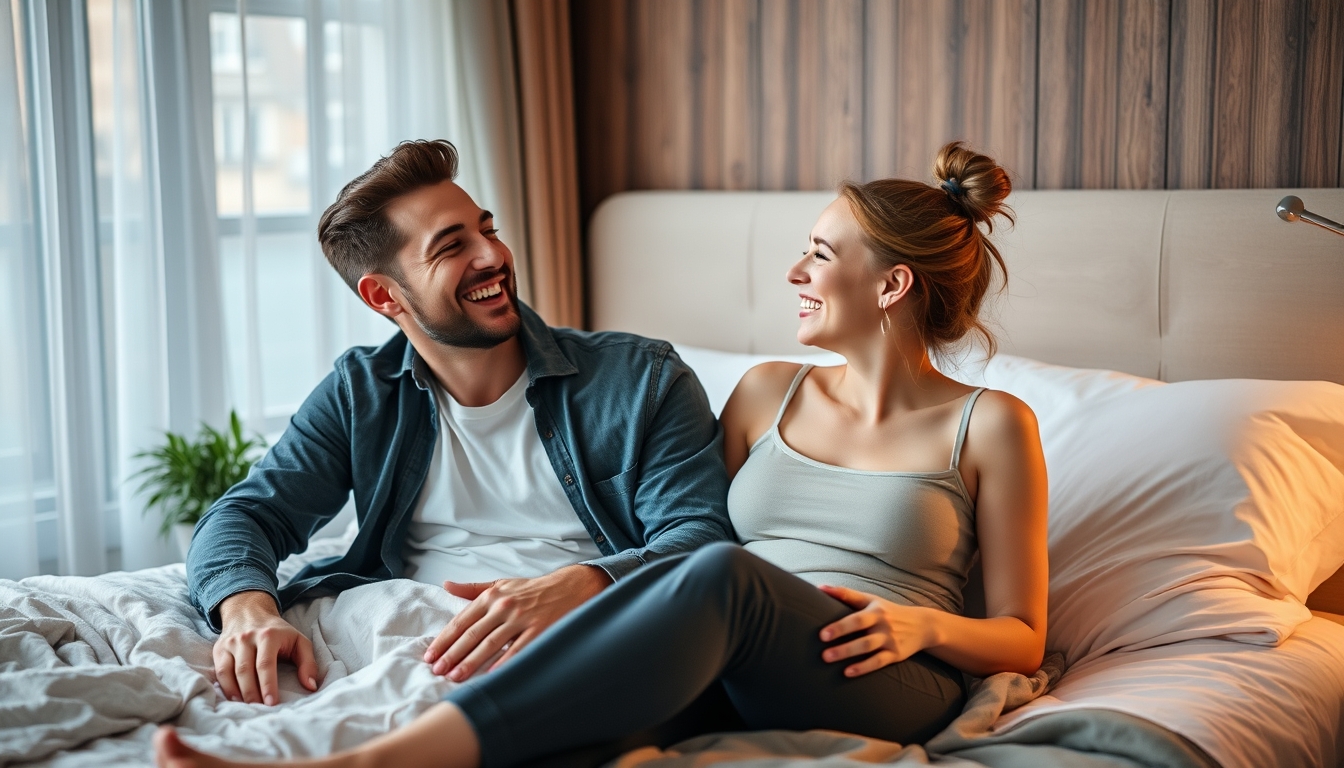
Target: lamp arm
1291,208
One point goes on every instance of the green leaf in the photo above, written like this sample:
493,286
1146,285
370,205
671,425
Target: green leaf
183,477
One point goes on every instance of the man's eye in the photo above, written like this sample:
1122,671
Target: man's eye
491,231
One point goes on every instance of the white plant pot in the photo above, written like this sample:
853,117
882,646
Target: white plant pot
182,537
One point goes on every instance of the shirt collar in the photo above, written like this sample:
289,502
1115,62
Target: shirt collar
544,357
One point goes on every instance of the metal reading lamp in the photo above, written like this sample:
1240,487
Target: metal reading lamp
1291,208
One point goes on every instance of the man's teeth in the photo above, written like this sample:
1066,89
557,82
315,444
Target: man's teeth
485,293
810,304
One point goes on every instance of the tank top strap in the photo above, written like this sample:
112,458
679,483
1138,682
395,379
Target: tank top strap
961,430
788,396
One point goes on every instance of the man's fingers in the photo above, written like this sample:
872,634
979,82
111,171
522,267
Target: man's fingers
245,670
467,590
306,662
519,643
224,675
481,653
471,637
456,626
268,672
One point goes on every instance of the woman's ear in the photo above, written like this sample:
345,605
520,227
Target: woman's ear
896,285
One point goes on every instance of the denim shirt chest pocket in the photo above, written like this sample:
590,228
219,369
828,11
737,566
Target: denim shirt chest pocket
617,493
622,484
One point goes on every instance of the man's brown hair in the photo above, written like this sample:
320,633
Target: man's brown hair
354,231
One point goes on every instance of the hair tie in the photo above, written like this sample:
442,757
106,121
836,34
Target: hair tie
953,188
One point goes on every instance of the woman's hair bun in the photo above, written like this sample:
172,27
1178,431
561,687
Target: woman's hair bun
974,182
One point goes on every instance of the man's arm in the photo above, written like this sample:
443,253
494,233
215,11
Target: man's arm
301,483
681,497
296,488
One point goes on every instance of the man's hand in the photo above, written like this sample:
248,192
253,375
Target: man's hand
255,639
508,612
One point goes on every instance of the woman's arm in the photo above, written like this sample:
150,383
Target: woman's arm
1003,449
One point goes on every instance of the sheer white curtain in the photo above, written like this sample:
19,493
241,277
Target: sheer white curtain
162,167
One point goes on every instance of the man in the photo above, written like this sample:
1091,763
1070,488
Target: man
523,467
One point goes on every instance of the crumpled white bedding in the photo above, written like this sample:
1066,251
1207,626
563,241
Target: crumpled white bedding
96,663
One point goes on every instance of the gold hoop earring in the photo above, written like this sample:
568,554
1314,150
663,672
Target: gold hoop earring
886,321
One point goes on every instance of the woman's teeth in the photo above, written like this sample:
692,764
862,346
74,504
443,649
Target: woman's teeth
485,293
810,304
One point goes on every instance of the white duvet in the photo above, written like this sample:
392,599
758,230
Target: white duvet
98,662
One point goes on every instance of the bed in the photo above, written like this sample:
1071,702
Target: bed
1112,295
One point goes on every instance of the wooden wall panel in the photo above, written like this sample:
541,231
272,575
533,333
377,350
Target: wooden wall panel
662,94
1190,117
1101,118
727,87
602,100
798,94
942,71
777,132
1257,94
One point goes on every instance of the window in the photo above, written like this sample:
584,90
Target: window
277,89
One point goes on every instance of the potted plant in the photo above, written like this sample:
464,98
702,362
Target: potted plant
184,477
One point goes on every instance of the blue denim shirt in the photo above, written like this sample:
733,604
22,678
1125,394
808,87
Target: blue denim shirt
626,425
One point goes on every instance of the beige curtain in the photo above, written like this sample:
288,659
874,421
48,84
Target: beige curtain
550,159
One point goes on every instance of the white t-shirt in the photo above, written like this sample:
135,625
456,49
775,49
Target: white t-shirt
492,506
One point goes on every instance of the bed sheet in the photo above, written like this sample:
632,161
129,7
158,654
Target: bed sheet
1247,706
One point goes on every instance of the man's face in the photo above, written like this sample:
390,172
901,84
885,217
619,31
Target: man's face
457,280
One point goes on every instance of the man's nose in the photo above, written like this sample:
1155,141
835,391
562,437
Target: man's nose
489,255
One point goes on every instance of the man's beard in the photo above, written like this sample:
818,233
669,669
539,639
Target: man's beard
460,330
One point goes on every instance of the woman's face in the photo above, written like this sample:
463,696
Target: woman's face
838,287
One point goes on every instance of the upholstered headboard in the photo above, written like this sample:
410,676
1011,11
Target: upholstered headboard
1169,285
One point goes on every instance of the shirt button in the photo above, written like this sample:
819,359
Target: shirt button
600,538
569,480
548,434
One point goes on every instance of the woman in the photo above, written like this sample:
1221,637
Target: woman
861,492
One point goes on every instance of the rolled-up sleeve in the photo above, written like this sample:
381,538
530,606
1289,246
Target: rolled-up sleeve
298,486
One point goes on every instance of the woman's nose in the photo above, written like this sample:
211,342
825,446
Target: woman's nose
796,274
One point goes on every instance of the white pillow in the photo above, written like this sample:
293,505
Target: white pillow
1177,511
719,372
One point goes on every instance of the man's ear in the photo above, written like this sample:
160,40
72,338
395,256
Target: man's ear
896,285
382,294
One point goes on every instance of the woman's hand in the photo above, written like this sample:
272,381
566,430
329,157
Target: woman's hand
894,632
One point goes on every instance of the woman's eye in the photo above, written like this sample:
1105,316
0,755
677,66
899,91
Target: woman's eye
491,231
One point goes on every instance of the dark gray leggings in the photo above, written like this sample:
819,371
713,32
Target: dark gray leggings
642,651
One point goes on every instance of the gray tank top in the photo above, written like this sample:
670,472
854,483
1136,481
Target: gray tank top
905,536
